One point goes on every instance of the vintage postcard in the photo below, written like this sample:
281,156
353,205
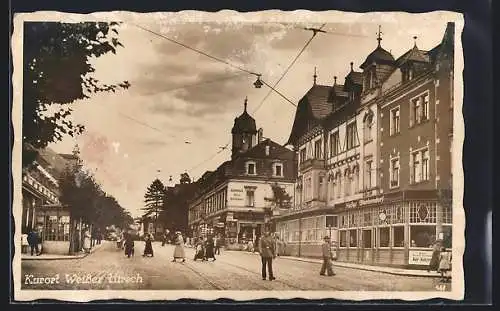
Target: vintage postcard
268,154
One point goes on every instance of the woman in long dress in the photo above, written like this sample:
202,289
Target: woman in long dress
179,248
209,249
86,241
148,248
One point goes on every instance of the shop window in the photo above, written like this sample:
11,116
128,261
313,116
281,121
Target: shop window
398,236
395,120
367,219
447,236
331,222
422,236
422,212
353,238
343,238
367,238
383,234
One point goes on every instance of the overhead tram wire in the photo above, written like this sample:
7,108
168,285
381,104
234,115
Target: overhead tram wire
196,50
288,69
271,89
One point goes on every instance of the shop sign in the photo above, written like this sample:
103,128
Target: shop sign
236,194
422,258
363,202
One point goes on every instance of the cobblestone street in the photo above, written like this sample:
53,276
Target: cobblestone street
108,268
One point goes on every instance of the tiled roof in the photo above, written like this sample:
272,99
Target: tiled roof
339,90
317,98
413,54
276,151
379,55
356,77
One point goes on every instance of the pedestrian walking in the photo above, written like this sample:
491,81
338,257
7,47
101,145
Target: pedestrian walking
267,253
434,263
179,248
209,248
218,244
129,245
444,264
164,239
148,246
327,257
87,241
33,242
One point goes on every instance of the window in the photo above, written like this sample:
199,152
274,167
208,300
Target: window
383,236
278,170
353,238
394,121
343,238
331,221
251,168
368,175
351,136
347,183
308,189
422,212
419,166
367,238
334,144
398,236
394,174
422,236
250,197
355,180
419,111
338,182
367,126
321,192
317,149
303,155
425,165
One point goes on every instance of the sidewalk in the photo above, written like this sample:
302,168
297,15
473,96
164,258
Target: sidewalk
60,257
389,270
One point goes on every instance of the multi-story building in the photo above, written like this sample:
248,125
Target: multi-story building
236,200
42,210
374,167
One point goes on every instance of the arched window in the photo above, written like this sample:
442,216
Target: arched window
338,182
367,126
355,179
347,182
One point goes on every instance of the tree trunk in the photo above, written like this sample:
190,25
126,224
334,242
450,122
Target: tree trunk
71,249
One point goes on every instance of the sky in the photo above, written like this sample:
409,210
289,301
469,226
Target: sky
136,135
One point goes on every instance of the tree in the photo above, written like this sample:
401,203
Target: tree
280,199
154,200
56,71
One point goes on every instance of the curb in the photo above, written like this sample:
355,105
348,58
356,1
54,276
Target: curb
364,268
62,257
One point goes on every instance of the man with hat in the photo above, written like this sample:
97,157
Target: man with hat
267,253
327,257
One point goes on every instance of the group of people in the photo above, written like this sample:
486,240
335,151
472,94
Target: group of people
206,248
441,262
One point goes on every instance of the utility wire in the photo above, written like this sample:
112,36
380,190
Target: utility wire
196,50
287,69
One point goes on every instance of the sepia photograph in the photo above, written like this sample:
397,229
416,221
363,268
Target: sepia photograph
238,155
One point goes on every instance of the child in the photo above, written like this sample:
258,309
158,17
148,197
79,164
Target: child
444,264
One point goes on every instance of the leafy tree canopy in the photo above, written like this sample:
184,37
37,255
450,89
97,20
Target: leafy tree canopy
57,71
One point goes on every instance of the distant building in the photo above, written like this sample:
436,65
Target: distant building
374,154
236,200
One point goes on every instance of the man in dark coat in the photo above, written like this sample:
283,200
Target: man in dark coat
209,248
129,245
327,257
267,253
33,242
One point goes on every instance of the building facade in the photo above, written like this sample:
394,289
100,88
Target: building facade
374,156
41,208
236,200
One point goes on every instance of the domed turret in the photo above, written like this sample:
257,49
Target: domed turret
244,132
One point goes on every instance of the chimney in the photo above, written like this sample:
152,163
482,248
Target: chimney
260,136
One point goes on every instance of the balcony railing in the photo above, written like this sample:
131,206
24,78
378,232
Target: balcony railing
312,163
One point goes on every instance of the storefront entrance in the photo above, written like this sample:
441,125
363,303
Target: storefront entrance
249,232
